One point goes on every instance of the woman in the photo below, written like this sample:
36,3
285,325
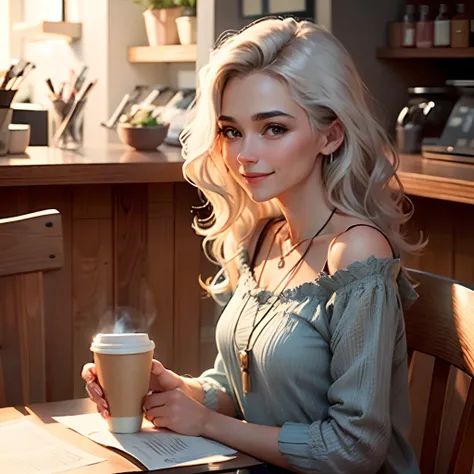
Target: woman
311,373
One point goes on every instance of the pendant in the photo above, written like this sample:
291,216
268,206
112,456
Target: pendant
281,263
244,358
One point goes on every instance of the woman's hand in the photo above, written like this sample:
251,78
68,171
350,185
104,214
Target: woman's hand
94,390
164,380
161,380
177,411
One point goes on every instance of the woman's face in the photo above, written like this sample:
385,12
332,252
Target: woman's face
267,141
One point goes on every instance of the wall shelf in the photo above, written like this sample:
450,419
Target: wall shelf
425,53
173,53
48,30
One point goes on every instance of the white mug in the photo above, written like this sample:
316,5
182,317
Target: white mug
19,138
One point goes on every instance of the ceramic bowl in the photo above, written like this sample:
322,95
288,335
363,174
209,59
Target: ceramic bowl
142,138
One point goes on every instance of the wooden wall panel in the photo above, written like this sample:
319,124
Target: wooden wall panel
463,216
130,246
208,311
187,293
92,284
435,219
160,268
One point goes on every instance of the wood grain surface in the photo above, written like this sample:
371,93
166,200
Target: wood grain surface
439,328
128,249
115,462
119,164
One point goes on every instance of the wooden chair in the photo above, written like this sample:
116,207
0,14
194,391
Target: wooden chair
29,245
441,324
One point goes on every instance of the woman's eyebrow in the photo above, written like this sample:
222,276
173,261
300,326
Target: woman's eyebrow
258,116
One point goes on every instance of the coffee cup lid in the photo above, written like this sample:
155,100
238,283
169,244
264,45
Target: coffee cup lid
130,343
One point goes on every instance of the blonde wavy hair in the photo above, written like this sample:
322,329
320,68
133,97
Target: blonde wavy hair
322,78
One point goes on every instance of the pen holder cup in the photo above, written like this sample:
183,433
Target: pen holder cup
67,129
6,97
5,121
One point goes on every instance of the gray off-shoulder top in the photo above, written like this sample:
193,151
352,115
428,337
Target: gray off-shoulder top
329,366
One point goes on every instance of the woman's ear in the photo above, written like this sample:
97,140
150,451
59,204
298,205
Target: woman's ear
334,135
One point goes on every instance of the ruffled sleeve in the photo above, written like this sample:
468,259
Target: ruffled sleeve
212,381
365,322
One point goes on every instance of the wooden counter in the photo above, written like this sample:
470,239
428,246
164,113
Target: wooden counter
129,243
437,179
119,164
105,165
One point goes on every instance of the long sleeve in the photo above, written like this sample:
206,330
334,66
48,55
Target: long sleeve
354,438
213,381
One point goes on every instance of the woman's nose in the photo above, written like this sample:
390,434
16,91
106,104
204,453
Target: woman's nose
246,158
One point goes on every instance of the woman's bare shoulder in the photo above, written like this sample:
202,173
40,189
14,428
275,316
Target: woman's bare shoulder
358,244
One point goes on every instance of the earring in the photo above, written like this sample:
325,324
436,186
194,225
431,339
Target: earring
330,158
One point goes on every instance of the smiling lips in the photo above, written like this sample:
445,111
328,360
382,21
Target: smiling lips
253,178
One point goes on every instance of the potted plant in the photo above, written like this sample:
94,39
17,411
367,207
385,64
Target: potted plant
160,20
187,22
141,129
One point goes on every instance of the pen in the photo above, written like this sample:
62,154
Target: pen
50,86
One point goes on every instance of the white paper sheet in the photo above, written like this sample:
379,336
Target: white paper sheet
27,448
154,448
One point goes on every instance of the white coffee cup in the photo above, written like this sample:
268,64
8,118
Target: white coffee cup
123,363
19,138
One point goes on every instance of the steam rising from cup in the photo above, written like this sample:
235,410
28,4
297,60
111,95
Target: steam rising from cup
126,320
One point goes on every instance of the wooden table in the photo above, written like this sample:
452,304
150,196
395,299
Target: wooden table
116,463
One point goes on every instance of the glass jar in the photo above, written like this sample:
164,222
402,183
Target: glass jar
67,124
424,29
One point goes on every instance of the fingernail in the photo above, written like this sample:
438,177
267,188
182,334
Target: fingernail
105,414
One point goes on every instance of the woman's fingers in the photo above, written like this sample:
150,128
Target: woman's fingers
93,389
158,416
89,373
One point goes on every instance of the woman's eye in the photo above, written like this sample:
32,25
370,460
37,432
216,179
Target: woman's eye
275,130
231,133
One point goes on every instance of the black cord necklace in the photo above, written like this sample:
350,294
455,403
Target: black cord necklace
245,354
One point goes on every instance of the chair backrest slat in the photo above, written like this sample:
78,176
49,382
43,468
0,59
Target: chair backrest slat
31,243
463,451
435,415
441,324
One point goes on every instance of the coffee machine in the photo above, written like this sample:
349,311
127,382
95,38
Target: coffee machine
425,116
456,142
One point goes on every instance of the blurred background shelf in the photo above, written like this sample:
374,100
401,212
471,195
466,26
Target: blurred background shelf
175,53
425,53
48,30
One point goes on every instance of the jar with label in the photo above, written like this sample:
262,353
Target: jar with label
442,28
408,37
424,29
460,28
